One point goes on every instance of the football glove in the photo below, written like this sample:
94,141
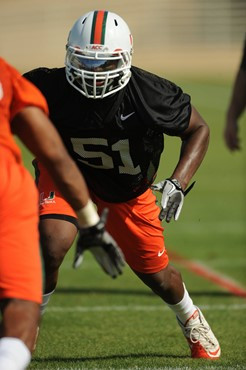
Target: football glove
103,247
172,198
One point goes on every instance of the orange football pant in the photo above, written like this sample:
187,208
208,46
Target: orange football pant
20,262
133,224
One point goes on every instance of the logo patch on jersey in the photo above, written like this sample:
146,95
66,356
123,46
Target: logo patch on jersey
123,118
49,200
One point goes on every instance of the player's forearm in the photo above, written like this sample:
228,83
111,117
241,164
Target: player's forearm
35,130
193,151
68,179
238,99
74,189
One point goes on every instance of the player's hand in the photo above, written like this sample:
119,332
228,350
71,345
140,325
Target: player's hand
103,247
231,135
172,198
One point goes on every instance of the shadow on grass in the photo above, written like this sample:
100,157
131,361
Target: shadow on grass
94,290
106,358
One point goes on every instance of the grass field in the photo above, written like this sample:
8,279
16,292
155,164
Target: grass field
93,322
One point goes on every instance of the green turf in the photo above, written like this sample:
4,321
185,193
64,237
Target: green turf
93,322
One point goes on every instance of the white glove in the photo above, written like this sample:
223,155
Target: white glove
172,198
103,247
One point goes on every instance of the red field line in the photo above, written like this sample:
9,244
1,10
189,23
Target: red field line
210,275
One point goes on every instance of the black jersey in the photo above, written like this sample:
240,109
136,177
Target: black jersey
116,141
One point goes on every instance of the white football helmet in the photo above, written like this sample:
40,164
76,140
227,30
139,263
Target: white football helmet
99,54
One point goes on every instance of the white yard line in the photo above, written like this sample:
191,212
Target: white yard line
216,307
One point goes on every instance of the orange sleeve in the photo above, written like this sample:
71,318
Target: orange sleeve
25,94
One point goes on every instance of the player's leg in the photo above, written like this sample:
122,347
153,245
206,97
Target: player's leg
137,229
57,228
20,319
168,284
56,236
20,265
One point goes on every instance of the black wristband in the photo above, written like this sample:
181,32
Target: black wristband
176,183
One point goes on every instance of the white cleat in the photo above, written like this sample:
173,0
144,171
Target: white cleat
200,337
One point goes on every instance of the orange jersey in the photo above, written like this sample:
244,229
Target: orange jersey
16,93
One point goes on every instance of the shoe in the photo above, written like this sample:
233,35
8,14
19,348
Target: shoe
200,337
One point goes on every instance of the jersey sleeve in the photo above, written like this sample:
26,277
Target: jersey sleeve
162,104
46,80
25,94
38,78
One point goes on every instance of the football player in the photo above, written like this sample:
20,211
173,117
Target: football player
23,111
113,117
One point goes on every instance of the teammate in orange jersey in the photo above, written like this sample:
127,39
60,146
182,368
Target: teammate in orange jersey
23,112
113,117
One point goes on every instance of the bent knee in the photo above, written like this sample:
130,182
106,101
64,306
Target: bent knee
162,281
56,238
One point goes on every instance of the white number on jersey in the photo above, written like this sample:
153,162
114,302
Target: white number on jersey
106,161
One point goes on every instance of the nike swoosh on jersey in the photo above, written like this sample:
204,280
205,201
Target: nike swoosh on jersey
161,253
123,118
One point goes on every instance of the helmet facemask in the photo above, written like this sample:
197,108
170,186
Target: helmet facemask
97,74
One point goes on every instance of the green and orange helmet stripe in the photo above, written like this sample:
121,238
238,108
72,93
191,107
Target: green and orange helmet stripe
99,27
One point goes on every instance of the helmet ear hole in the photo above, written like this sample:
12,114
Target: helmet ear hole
99,51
